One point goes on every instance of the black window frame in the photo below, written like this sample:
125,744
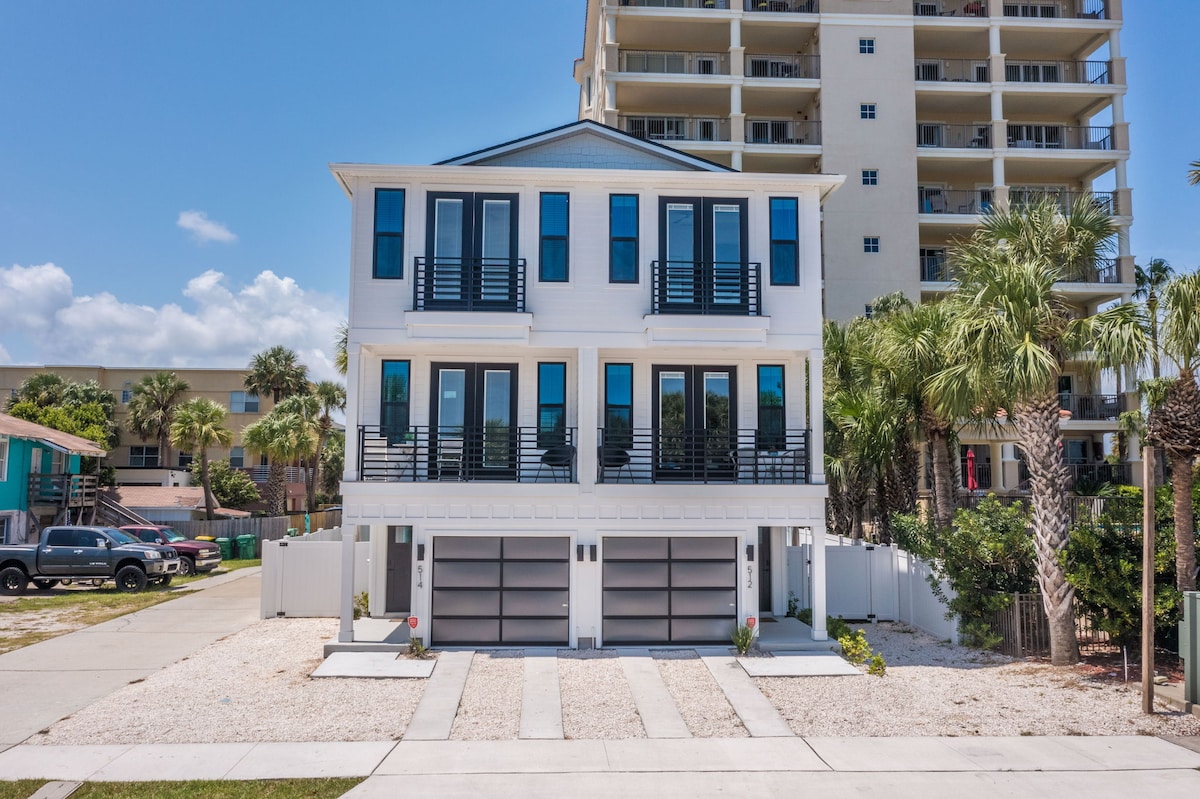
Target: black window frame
872,245
612,437
866,46
389,234
794,242
395,430
869,111
870,177
554,435
771,419
545,238
614,240
144,451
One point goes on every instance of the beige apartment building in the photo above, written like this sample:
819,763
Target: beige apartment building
140,462
935,110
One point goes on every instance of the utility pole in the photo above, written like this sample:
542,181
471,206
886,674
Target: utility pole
1147,579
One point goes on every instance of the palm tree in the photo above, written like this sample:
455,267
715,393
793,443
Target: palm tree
1194,173
341,349
198,425
152,408
1015,333
1150,281
282,437
42,389
315,411
1174,422
332,397
277,371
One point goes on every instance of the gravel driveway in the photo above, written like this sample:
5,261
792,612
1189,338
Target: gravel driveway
254,686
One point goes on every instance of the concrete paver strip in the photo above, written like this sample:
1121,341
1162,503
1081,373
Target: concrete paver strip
56,762
267,761
541,700
757,713
375,665
891,754
434,716
58,789
660,715
714,754
495,757
1139,752
173,762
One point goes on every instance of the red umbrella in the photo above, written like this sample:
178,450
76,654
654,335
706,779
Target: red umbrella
972,483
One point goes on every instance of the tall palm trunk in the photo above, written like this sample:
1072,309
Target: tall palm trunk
276,490
943,476
1037,427
210,500
1185,521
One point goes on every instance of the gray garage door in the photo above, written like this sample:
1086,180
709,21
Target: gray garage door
678,590
499,591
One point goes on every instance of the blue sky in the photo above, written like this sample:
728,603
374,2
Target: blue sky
164,194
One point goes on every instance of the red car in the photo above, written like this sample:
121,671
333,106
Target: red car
194,556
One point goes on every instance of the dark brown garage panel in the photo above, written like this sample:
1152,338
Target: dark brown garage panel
669,590
500,591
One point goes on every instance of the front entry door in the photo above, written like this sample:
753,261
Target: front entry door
765,605
694,423
471,249
399,569
704,257
474,435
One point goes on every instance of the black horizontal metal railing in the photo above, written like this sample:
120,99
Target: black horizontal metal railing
762,65
981,471
935,269
1101,270
950,8
959,70
63,490
469,284
662,62
782,131
707,4
1038,136
747,457
708,288
785,6
1085,475
1065,199
944,135
936,200
1093,407
1037,71
492,453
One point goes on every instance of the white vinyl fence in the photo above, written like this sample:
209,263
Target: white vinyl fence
873,583
302,576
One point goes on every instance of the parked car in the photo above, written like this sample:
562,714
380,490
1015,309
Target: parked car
194,556
68,553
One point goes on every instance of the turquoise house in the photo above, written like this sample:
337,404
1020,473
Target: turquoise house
40,480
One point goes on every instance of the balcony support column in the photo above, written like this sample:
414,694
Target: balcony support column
354,370
995,457
819,631
588,444
994,40
996,73
735,33
737,63
735,101
610,29
610,96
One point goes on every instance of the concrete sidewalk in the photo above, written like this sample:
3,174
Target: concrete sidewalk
45,682
901,767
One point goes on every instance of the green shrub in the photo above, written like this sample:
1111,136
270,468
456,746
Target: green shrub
837,627
417,648
877,666
743,639
854,647
805,615
362,602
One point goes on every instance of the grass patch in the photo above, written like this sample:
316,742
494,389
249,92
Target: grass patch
30,619
217,789
233,565
19,789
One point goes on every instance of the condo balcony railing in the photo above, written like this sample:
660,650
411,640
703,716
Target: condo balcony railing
261,474
670,455
707,288
676,128
469,284
1065,198
783,66
1041,9
1098,73
943,135
782,131
1083,476
935,269
674,63
959,70
937,200
1093,407
495,452
1038,136
63,490
975,476
784,6
1100,270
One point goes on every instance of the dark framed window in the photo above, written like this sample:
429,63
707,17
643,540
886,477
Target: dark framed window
243,402
143,457
555,230
867,111
237,457
552,405
185,459
871,244
866,46
389,234
618,405
772,431
870,177
785,241
394,401
623,238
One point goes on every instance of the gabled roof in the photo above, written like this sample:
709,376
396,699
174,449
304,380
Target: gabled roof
74,445
592,145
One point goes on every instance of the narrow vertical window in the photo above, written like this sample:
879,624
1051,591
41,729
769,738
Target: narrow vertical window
237,457
772,434
389,234
393,401
618,405
785,241
554,237
552,405
623,238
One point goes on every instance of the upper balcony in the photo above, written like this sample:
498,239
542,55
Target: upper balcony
666,128
63,490
768,6
721,288
715,455
1036,9
469,284
659,62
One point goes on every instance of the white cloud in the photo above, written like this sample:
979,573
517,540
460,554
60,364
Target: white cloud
217,323
204,229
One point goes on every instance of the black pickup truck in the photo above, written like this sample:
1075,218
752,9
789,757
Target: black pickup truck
70,554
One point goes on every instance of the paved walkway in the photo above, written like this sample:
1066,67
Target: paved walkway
48,681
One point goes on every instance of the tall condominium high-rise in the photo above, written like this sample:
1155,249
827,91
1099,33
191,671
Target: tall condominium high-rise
935,111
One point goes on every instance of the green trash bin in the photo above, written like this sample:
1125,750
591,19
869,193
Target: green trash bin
247,547
226,546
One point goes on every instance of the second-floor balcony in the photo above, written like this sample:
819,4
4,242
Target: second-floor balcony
782,131
495,452
939,200
1040,136
1095,73
1085,476
63,490
469,284
936,268
718,454
676,128
674,63
1093,407
959,70
774,6
1037,9
976,136
707,288
1065,198
796,67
